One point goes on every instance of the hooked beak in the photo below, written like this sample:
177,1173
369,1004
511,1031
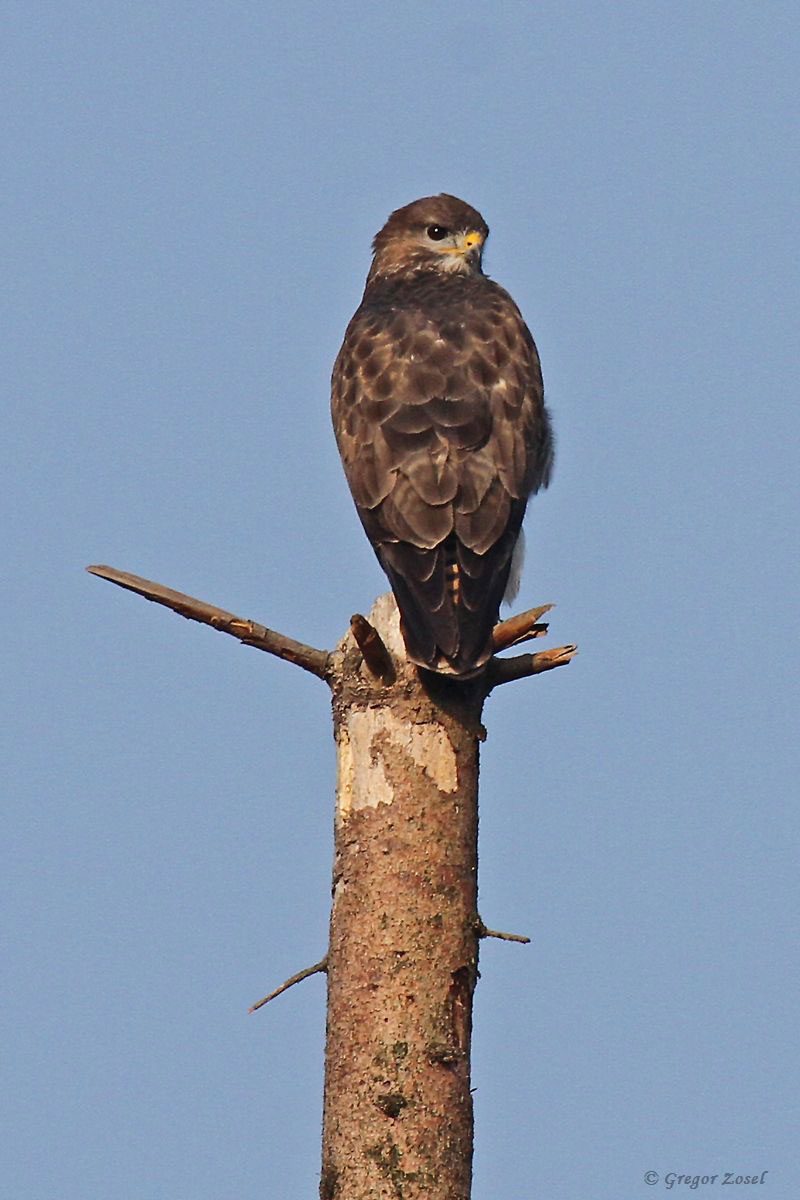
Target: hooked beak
464,244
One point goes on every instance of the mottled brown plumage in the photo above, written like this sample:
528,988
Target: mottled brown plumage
439,416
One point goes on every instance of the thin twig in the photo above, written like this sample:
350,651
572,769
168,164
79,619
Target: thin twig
521,628
484,932
321,966
248,632
505,670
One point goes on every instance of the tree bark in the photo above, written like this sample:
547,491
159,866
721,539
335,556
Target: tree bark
403,949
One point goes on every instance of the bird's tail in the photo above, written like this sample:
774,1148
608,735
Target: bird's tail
449,600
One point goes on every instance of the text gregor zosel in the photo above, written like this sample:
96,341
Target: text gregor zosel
695,1181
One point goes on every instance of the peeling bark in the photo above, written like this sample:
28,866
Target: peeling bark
403,952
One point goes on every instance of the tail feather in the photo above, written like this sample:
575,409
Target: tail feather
449,600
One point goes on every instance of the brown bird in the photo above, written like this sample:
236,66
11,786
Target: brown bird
439,415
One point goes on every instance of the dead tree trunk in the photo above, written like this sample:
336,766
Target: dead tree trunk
402,959
403,950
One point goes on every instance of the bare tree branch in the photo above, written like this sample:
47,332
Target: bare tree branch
321,966
372,647
505,670
248,632
485,932
521,628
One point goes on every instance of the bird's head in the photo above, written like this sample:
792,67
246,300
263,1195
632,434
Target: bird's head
437,233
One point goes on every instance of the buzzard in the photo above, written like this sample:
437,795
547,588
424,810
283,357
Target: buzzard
439,416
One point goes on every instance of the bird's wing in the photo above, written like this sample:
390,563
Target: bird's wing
438,413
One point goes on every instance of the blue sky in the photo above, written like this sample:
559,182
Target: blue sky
190,194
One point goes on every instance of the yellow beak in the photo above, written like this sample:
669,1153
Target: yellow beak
464,243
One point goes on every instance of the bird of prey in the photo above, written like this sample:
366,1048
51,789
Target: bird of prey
439,416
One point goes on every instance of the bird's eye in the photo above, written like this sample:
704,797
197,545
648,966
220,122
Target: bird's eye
437,232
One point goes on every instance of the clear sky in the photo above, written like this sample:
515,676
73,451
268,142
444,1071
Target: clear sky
190,192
